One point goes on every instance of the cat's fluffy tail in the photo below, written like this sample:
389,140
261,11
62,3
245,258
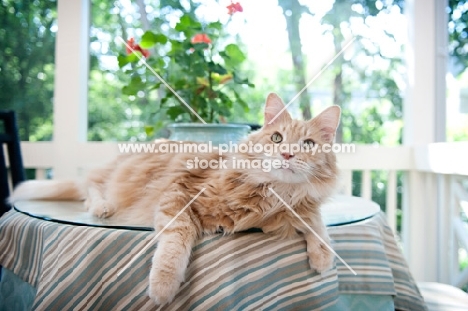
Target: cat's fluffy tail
48,190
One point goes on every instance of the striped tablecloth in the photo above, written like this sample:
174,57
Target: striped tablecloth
75,268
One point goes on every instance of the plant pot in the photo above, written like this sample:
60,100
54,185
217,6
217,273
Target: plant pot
216,133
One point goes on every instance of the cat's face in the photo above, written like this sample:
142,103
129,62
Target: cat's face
284,136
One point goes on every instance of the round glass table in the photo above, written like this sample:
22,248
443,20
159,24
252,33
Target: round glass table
339,210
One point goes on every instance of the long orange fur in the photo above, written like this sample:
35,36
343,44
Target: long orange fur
150,189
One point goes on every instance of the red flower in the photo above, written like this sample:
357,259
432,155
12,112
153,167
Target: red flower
201,38
131,47
234,7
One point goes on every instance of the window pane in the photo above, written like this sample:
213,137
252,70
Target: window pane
295,43
286,45
457,76
110,115
27,36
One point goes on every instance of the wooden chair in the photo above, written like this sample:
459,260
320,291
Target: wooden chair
15,174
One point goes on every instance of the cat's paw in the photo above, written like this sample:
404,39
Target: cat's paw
162,287
321,258
100,208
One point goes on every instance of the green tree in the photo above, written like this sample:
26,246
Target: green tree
111,116
27,38
458,33
338,18
292,11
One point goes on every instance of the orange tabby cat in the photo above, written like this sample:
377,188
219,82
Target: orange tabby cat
151,188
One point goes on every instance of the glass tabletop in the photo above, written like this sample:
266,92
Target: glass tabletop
339,210
342,210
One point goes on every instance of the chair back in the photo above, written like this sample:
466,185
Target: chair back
14,173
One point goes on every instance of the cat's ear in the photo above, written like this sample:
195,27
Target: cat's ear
274,110
327,121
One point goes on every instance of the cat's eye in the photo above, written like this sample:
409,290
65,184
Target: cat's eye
309,143
276,138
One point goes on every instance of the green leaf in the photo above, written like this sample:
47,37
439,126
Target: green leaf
149,39
235,55
175,111
122,60
183,23
176,47
198,69
213,67
215,25
134,86
149,130
200,46
126,59
187,23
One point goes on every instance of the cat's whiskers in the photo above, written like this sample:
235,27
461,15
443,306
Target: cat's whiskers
304,166
315,172
307,173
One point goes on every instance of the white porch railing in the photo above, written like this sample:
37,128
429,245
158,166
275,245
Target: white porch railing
460,227
433,195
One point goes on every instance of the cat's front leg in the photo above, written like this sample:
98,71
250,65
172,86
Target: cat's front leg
321,257
173,251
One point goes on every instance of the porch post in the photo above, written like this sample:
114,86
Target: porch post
71,85
424,123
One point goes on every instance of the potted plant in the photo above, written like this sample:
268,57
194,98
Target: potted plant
193,61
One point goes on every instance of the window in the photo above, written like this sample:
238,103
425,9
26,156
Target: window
457,75
27,33
286,45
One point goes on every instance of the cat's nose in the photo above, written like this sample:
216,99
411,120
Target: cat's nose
287,156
